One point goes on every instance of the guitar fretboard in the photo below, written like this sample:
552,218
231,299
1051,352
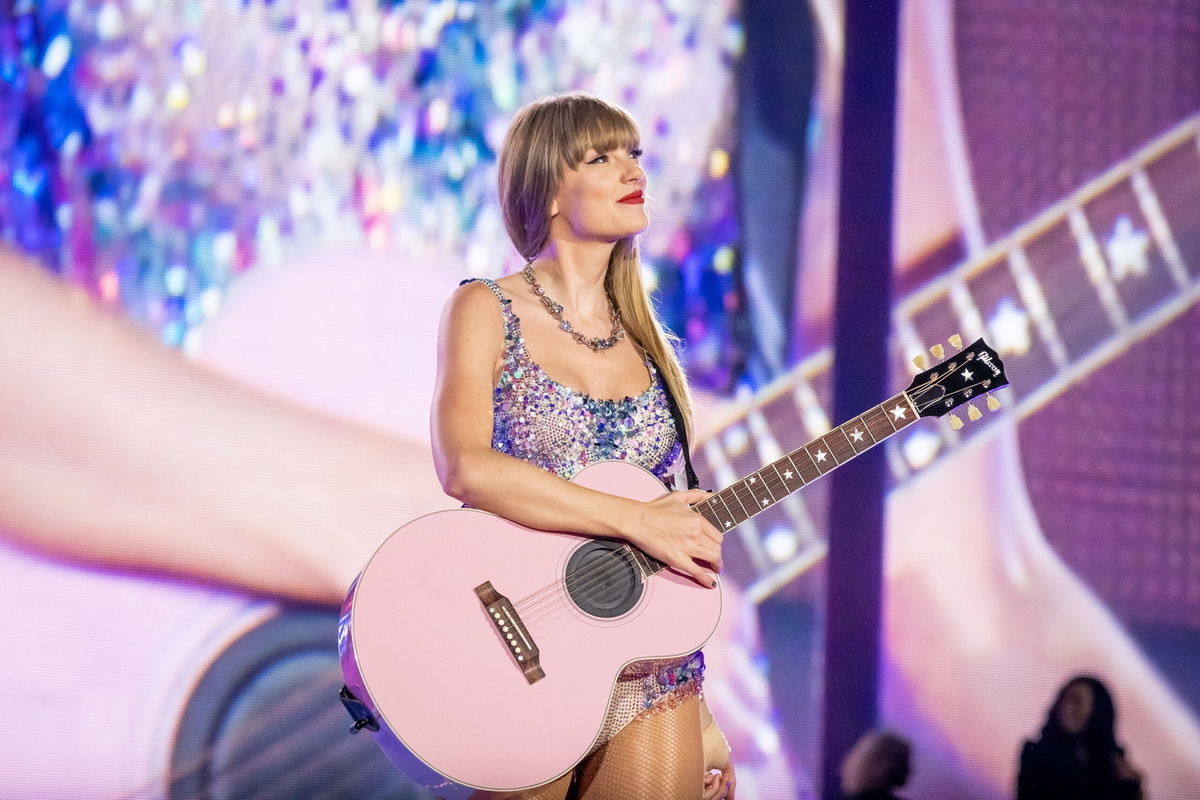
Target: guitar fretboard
765,487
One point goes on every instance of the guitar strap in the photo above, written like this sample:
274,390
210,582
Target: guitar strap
680,430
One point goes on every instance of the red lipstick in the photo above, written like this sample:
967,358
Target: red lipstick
633,197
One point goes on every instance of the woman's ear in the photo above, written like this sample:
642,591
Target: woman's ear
554,207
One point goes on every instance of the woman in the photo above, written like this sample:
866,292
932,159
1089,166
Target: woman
1077,754
532,389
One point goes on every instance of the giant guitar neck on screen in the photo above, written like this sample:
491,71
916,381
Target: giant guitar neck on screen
1058,297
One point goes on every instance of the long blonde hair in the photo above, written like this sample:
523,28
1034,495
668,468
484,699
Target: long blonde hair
553,134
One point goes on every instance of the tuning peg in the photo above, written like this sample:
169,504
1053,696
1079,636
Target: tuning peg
973,413
955,423
920,361
955,341
993,403
938,351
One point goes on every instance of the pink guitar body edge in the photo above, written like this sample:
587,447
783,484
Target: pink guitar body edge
422,651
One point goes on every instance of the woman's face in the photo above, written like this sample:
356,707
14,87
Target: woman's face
1075,708
602,198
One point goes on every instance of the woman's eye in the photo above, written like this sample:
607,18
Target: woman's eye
598,160
635,154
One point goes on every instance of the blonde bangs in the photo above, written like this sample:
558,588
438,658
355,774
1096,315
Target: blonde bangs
602,127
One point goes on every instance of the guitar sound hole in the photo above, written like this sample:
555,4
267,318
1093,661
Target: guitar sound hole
603,579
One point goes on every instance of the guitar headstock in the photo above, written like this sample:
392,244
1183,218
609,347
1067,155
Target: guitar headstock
959,380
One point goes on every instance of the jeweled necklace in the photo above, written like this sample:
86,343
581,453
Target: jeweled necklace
596,344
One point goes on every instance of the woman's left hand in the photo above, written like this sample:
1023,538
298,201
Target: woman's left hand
719,784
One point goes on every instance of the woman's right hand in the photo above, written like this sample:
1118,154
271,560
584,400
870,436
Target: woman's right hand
673,532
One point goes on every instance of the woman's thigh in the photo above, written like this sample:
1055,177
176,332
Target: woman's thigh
657,756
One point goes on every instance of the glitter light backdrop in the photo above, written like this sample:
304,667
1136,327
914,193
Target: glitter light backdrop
285,193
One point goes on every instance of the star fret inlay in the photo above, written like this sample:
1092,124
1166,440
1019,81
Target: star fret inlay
820,455
857,434
899,411
787,475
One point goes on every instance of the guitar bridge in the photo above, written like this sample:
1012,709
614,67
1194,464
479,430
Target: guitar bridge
512,631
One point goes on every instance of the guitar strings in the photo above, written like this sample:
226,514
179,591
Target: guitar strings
584,580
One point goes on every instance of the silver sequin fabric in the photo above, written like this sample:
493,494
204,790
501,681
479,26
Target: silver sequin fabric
561,430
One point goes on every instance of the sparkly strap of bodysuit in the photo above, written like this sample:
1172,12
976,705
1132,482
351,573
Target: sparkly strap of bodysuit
538,420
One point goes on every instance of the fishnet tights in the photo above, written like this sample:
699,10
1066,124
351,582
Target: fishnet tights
658,756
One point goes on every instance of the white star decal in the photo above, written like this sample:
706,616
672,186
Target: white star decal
1126,248
857,434
899,411
728,524
766,502
787,476
820,455
967,374
1009,324
753,480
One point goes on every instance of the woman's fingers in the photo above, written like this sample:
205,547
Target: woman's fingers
713,780
702,576
719,784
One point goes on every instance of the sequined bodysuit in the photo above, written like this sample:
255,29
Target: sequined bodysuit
562,431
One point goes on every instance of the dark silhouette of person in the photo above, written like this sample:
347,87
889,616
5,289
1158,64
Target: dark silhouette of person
1077,755
877,764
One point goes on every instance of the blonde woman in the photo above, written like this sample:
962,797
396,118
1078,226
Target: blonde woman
564,364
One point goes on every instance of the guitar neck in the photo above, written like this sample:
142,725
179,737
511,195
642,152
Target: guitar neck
765,487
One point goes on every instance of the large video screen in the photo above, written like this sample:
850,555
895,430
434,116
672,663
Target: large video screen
231,229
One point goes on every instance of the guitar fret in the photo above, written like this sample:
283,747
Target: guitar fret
879,420
756,485
856,436
1152,211
1034,299
760,480
708,513
643,561
820,458
772,484
729,519
785,489
1093,262
839,446
790,474
899,409
807,467
733,490
832,448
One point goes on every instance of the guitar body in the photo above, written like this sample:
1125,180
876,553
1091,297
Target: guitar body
420,649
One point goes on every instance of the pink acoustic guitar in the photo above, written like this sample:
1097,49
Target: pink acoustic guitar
483,654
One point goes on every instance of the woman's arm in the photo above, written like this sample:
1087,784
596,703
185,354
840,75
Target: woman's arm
115,449
469,344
